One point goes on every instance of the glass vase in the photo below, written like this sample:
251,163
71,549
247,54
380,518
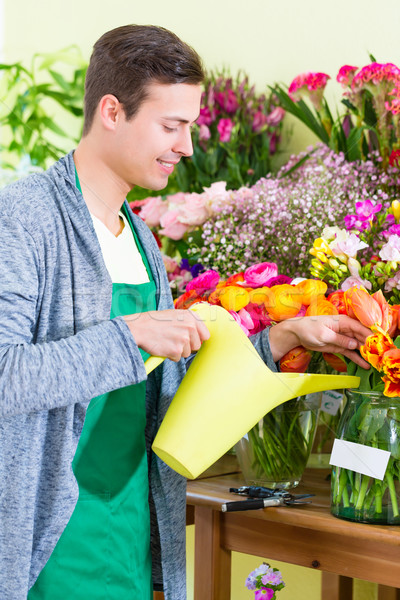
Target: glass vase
370,419
325,433
274,453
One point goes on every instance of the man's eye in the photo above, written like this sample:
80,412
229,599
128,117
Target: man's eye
169,129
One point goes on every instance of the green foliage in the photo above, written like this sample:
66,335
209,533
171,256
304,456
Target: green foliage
31,97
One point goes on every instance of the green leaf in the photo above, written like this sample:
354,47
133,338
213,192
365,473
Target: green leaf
49,123
353,144
397,341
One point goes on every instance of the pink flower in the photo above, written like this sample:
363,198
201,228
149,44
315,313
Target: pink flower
349,245
355,282
172,227
367,209
171,266
205,117
176,199
259,275
204,133
239,321
225,127
227,100
276,116
259,120
391,250
194,211
204,282
309,84
346,75
153,210
264,594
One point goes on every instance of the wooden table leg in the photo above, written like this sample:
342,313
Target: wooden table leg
158,595
212,564
388,593
336,587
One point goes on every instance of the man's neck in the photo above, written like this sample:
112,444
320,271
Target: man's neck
103,193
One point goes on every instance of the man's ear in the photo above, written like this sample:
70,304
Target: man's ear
110,111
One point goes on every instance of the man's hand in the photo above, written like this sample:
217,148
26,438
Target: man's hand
336,334
170,333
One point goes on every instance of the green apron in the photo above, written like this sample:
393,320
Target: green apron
104,551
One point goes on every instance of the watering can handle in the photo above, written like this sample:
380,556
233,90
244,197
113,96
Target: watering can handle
152,362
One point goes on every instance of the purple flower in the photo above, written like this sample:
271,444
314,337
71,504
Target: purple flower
356,282
204,133
259,121
250,581
272,577
196,269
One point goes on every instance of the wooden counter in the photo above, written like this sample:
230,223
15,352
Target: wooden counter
305,535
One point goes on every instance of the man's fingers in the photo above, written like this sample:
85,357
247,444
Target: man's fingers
356,358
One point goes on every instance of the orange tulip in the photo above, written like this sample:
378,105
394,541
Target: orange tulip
392,389
363,307
296,360
375,347
311,289
335,362
282,303
233,297
187,299
321,307
387,315
395,310
337,299
391,364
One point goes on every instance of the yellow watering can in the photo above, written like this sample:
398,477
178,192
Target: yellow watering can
226,391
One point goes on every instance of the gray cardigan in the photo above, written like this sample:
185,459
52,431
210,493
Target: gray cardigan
58,350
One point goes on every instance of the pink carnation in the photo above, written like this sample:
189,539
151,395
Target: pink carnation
204,282
259,275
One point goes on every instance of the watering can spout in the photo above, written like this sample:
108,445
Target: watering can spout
226,391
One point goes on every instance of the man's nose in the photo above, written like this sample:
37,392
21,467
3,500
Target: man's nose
184,144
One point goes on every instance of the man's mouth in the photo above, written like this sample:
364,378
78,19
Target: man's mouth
167,166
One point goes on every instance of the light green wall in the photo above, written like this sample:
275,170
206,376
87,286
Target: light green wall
271,41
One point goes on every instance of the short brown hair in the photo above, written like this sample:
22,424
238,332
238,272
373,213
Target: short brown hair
127,59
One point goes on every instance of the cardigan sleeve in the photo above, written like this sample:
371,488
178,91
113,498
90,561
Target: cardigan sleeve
43,376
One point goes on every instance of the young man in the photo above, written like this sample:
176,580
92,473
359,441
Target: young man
80,312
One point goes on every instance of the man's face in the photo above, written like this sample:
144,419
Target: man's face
149,145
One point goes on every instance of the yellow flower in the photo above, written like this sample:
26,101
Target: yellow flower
396,210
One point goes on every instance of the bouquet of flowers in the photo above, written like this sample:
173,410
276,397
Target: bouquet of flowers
281,216
276,450
372,99
265,581
235,135
366,251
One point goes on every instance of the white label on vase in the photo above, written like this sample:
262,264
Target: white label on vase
359,458
331,401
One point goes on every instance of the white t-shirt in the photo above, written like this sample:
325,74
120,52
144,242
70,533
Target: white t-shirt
121,254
